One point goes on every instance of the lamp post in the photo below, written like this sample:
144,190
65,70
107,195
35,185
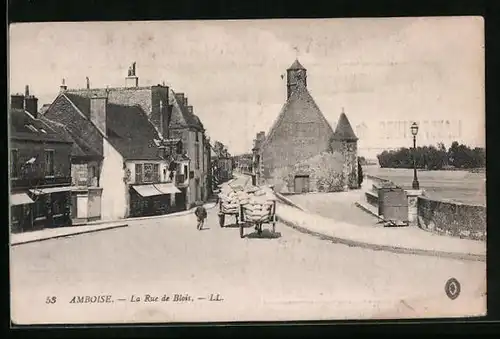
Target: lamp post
414,132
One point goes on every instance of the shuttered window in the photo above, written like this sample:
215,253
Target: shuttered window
49,163
138,173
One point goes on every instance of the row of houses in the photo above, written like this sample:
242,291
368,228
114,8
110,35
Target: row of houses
105,153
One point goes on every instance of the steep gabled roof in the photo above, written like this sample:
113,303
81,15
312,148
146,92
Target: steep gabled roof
131,132
181,117
25,126
128,128
344,131
301,96
80,147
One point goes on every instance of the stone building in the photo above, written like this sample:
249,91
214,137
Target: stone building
300,133
133,168
345,141
40,169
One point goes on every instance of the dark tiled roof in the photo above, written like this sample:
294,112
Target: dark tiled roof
44,108
131,133
128,128
81,102
181,117
87,137
344,131
128,96
80,147
25,126
296,65
298,100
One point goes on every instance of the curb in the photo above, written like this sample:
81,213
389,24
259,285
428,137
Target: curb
289,202
367,210
171,215
387,248
69,234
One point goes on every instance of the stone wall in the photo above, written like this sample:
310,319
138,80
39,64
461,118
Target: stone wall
325,173
452,218
351,162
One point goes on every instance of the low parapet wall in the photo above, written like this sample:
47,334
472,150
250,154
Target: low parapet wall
452,218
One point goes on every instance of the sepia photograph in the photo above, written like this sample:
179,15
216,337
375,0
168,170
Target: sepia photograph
247,170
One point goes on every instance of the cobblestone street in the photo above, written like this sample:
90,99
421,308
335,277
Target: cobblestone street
290,277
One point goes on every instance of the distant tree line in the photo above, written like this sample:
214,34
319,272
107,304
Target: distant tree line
458,156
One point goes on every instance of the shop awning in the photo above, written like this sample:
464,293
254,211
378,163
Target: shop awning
167,188
147,190
20,199
50,190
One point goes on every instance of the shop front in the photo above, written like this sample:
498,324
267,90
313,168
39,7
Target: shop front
51,207
21,212
153,199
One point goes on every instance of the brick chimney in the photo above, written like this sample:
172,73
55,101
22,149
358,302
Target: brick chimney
30,102
17,101
98,106
63,86
132,80
180,97
31,105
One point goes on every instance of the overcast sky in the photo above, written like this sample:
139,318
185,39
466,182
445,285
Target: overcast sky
377,69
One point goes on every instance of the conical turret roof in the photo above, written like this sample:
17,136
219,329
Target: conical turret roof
344,131
296,65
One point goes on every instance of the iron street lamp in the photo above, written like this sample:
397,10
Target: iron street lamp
414,132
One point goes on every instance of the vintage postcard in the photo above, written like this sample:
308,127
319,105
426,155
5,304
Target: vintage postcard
247,170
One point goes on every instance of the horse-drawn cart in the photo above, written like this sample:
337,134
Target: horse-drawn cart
227,209
257,215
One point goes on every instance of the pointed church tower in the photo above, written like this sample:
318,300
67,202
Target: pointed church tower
296,78
346,142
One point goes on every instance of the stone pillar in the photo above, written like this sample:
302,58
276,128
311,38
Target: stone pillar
412,196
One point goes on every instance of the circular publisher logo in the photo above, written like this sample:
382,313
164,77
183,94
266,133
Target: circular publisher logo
452,288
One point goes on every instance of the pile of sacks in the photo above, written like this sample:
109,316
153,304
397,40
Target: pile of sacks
257,201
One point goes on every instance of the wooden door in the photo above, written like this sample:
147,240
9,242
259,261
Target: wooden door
301,184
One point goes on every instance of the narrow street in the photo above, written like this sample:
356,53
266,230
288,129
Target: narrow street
289,277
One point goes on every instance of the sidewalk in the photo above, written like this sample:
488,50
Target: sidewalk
409,240
95,226
59,232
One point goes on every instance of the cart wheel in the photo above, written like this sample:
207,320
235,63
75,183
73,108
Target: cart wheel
221,220
242,234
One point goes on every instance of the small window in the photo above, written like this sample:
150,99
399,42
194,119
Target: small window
49,163
14,163
148,173
138,173
197,138
156,172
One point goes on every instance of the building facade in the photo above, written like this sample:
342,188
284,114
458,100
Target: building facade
40,168
299,134
186,126
135,170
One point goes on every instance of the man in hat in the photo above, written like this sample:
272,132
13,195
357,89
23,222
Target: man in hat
201,214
